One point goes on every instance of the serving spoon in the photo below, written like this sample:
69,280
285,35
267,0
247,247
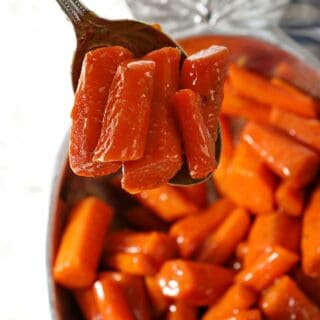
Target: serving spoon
140,38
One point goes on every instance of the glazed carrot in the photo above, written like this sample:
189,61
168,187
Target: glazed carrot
78,256
98,68
256,87
162,157
310,236
159,302
235,299
181,311
289,200
166,202
286,157
197,283
241,250
247,170
272,229
204,72
219,246
111,299
305,130
191,231
235,105
198,144
253,314
197,193
86,301
284,300
143,219
126,118
268,266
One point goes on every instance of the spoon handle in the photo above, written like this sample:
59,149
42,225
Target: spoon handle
74,9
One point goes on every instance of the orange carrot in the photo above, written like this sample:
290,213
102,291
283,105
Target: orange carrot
219,246
198,284
310,236
98,68
253,314
269,265
123,139
289,200
162,156
204,72
197,193
287,158
82,242
284,300
272,229
241,250
236,298
255,86
191,231
166,202
181,311
305,130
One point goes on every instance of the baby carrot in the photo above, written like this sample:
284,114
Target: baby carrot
253,314
162,156
286,157
180,310
241,250
204,72
82,242
219,246
197,193
289,200
197,283
191,231
166,202
98,69
284,300
258,88
305,130
268,266
310,236
126,118
235,299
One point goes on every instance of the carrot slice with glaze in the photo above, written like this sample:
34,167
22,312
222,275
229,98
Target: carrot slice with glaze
98,69
126,119
253,314
197,193
180,310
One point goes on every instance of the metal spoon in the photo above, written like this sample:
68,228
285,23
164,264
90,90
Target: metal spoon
140,38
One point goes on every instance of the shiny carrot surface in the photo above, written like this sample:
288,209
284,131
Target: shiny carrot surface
180,310
253,314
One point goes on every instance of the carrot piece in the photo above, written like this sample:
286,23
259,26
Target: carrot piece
235,105
287,158
197,193
269,265
284,300
272,229
98,68
162,156
111,299
143,219
191,231
256,87
204,72
158,246
182,311
289,200
197,283
133,263
310,236
220,245
305,130
86,301
198,144
241,250
235,299
82,242
126,118
166,202
253,314
159,302
246,171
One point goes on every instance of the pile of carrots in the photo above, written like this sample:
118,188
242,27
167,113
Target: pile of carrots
254,253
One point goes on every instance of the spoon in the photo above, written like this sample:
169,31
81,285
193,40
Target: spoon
140,38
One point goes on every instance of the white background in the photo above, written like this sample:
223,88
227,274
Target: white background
37,44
